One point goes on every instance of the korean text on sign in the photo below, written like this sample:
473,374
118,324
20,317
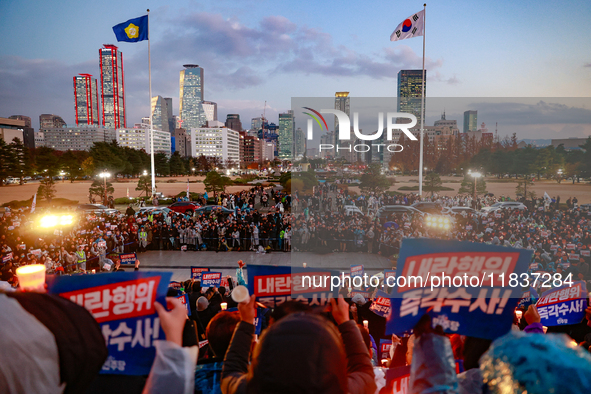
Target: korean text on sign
128,258
197,271
356,270
563,305
211,279
275,285
123,305
484,311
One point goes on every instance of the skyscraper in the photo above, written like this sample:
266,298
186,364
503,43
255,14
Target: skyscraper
342,102
256,123
86,100
299,142
191,97
409,93
211,110
169,116
286,135
112,87
233,122
470,121
160,112
50,120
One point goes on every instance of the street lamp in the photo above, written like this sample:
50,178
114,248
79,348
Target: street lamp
475,175
145,172
105,175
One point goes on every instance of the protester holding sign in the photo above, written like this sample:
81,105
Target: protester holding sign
334,369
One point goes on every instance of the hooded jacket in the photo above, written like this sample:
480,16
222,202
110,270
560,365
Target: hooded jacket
301,353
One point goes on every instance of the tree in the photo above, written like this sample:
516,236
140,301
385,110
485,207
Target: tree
467,186
88,166
161,163
98,189
432,182
215,182
4,161
521,189
144,184
373,180
177,166
109,156
46,189
46,161
21,163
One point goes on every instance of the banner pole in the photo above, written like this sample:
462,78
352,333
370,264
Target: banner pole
422,105
153,169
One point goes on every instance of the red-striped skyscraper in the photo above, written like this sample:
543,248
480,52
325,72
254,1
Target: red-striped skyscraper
86,100
112,87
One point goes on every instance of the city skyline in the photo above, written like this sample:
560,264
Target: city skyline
513,52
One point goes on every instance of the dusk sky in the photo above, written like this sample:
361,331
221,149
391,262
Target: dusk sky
254,51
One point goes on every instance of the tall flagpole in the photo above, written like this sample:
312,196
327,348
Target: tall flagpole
151,129
422,105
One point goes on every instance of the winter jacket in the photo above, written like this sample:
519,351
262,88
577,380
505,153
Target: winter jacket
301,353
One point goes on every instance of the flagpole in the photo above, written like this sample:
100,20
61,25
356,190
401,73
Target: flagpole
151,129
422,105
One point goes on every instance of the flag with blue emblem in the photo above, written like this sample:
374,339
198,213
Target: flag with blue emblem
133,30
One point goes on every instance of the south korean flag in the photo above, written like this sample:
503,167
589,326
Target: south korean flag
413,26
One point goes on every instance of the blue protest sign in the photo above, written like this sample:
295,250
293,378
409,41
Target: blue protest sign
185,301
275,285
7,257
381,305
123,305
356,270
528,298
128,258
385,345
563,305
258,320
398,380
196,272
464,286
211,279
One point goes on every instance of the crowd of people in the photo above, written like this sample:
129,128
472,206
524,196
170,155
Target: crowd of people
94,241
330,348
560,237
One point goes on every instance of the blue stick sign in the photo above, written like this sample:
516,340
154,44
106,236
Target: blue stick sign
398,380
275,285
381,305
563,305
128,258
474,298
528,298
123,305
385,345
185,301
211,279
356,270
196,272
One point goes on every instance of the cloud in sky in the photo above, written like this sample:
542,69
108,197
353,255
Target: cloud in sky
234,56
587,65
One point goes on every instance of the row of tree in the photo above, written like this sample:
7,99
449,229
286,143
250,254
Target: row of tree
457,155
18,161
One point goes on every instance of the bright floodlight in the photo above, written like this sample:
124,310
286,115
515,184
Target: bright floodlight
66,220
49,221
476,174
104,175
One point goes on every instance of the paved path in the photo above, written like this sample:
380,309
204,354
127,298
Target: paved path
226,262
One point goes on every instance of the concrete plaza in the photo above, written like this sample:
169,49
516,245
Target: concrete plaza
226,262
